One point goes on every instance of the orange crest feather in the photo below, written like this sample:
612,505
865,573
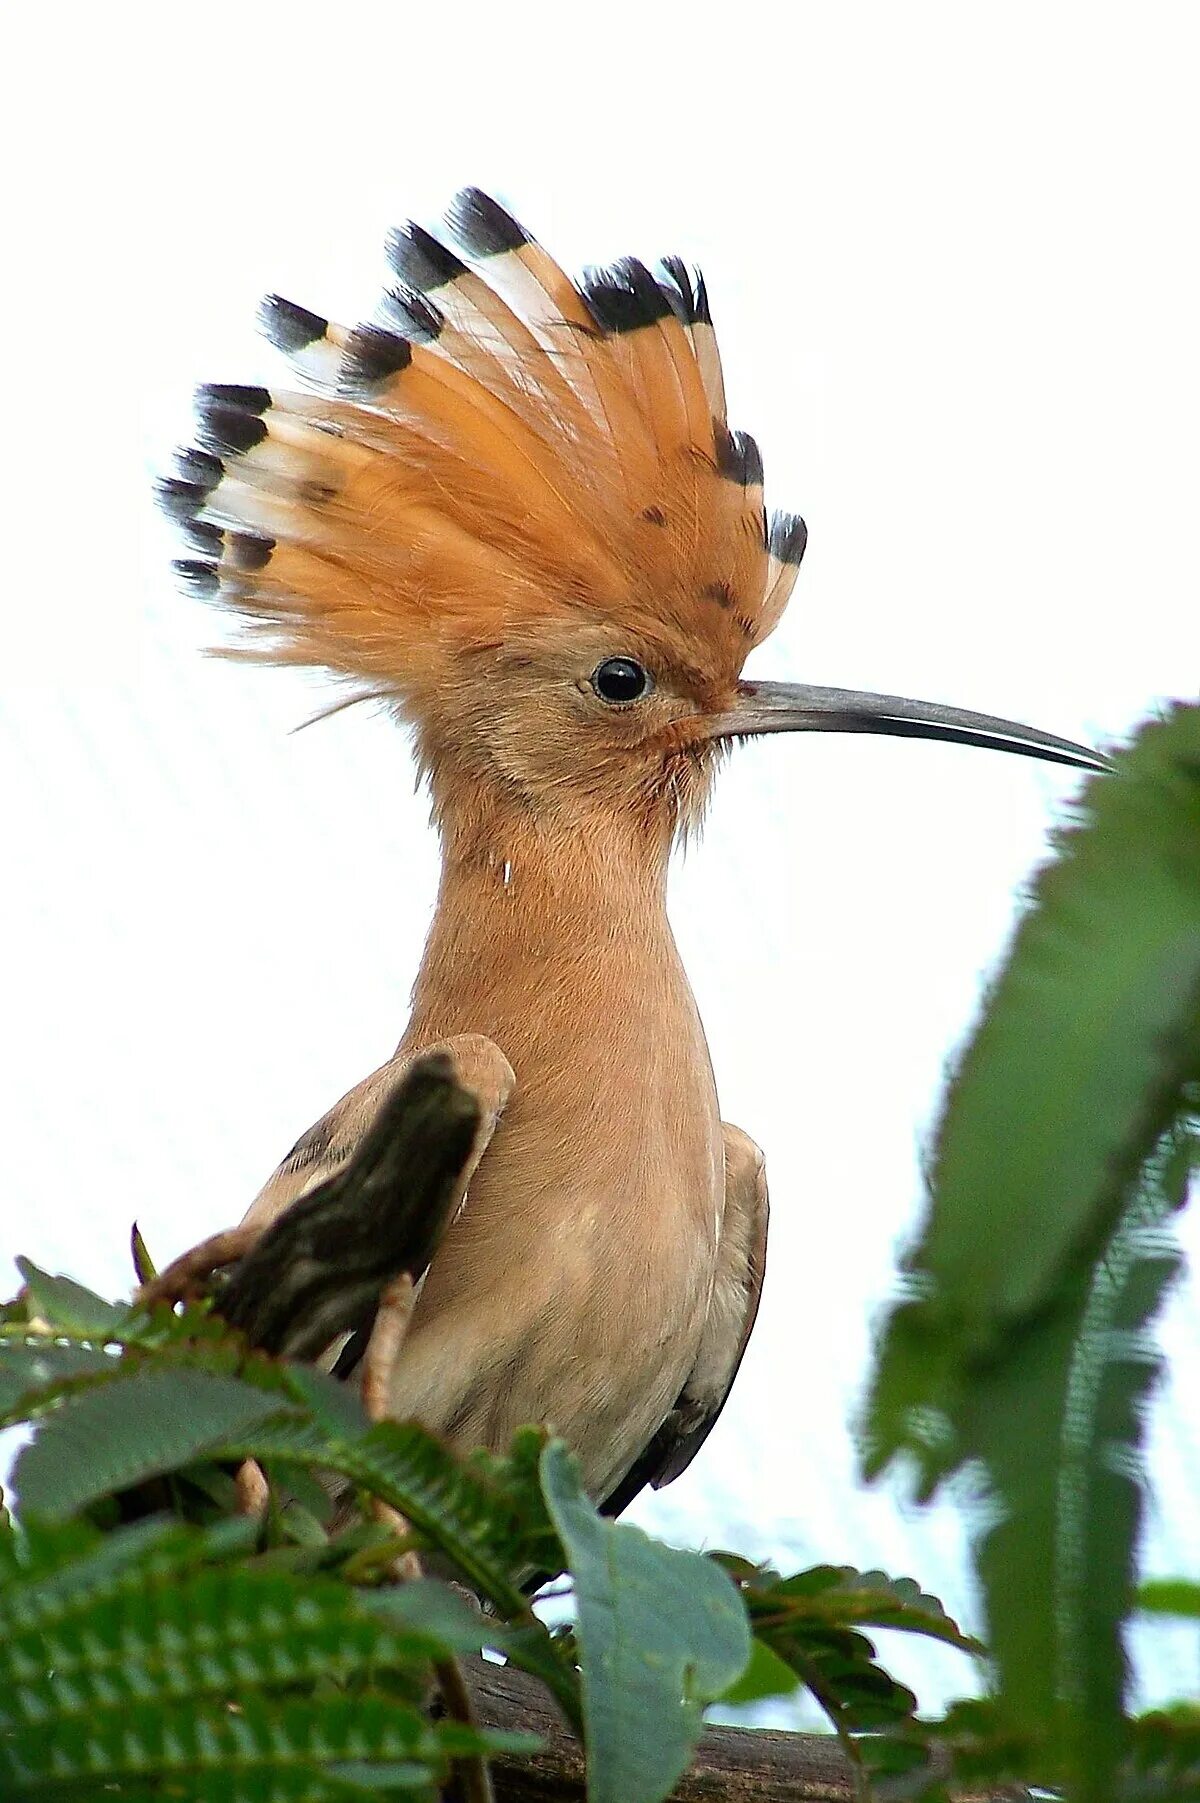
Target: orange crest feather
506,448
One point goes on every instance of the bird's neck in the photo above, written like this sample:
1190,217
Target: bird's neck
535,916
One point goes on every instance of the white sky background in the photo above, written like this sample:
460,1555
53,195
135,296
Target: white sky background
952,257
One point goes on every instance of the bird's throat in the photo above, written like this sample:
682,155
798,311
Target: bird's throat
548,933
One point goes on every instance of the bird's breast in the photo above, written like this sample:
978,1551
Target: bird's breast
573,1287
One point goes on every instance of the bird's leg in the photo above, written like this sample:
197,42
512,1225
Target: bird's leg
253,1491
379,1364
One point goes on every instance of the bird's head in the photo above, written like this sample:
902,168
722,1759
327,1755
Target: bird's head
515,510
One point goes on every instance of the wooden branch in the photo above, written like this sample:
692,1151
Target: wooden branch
732,1765
318,1271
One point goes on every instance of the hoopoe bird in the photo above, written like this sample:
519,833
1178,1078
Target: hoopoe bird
513,511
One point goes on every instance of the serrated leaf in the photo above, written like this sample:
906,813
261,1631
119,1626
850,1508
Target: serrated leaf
482,1515
60,1561
67,1305
841,1595
401,1462
34,1369
1075,1071
134,1427
145,1656
660,1633
1057,1568
1021,1348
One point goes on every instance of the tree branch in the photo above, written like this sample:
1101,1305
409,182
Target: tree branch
731,1765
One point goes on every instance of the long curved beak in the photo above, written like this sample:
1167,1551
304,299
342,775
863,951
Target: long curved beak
797,707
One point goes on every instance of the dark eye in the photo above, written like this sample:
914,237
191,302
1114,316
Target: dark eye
621,679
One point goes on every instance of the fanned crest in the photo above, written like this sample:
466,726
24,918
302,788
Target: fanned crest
504,446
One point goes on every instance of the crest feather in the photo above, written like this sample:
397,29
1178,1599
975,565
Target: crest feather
504,446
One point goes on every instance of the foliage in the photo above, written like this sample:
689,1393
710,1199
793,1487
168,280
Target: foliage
811,1627
151,1635
1021,1348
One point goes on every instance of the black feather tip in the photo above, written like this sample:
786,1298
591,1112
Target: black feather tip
227,426
289,327
421,260
373,354
245,397
250,550
788,537
686,295
738,456
180,499
201,536
199,467
624,296
482,225
198,577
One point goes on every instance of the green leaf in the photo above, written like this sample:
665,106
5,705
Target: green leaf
452,1506
65,1304
767,1675
143,1265
1020,1350
134,1427
1170,1596
1057,1568
1075,1072
423,1608
483,1515
146,1657
840,1595
660,1632
808,1626
35,1369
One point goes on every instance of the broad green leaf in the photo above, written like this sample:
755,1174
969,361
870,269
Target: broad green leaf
335,1407
67,1305
660,1632
1169,1596
138,1426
